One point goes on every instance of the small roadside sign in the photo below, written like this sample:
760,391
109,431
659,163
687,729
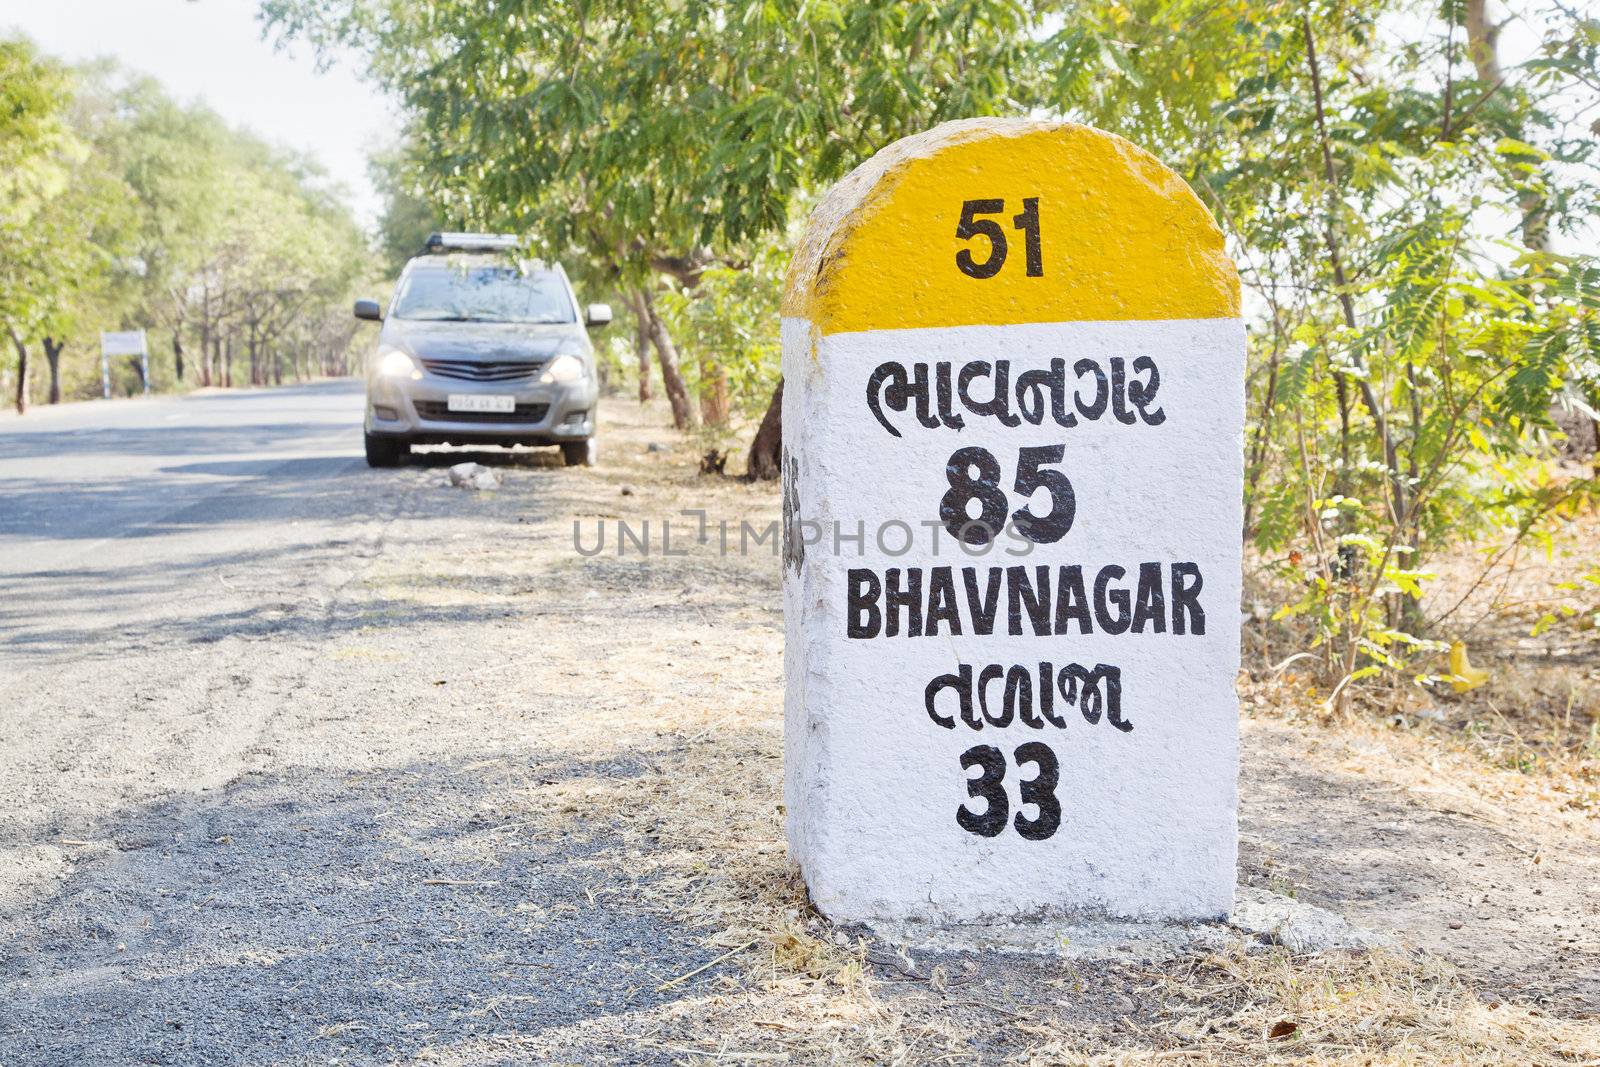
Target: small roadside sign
123,343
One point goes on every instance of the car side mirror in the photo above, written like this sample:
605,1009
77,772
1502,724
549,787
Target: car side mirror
597,315
369,310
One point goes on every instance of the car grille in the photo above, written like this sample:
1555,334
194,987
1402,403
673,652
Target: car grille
439,411
466,370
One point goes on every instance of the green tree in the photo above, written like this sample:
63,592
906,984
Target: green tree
37,154
663,140
1390,198
1411,211
728,327
409,216
169,157
128,210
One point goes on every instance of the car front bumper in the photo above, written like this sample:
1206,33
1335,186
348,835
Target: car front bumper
418,410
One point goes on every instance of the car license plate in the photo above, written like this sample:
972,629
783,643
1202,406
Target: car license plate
481,402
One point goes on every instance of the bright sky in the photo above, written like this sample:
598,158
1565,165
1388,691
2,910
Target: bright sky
212,51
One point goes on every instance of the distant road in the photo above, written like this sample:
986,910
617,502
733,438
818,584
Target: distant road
100,478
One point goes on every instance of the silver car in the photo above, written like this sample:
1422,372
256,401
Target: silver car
481,348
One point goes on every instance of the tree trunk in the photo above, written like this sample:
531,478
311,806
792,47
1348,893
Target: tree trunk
227,364
52,356
766,451
206,357
1483,41
1594,402
683,414
1483,46
22,374
177,354
641,344
714,400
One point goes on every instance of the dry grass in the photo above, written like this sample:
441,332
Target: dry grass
1532,733
714,856
694,708
1252,1008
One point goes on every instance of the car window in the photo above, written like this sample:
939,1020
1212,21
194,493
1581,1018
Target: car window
483,293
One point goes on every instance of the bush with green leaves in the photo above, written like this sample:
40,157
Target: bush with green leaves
1398,201
727,330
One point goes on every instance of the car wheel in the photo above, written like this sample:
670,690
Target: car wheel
386,451
578,453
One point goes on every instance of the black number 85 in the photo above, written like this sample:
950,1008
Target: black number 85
1044,529
1040,791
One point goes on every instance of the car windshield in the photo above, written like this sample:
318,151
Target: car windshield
497,293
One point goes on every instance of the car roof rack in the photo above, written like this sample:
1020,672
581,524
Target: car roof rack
471,242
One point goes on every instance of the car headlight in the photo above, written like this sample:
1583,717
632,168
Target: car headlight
563,369
393,363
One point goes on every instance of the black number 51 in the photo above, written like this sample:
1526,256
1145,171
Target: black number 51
972,226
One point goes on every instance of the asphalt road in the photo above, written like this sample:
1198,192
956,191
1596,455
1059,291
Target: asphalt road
243,819
88,481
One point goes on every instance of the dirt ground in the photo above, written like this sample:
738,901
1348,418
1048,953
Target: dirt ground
434,787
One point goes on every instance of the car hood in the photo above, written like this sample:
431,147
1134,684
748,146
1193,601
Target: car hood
480,340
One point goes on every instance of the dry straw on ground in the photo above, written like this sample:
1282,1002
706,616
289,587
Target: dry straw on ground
691,713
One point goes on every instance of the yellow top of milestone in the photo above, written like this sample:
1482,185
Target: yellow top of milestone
1118,235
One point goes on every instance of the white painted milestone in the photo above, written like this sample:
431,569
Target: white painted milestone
1013,424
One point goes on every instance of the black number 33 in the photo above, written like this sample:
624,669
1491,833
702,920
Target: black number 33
1039,791
971,226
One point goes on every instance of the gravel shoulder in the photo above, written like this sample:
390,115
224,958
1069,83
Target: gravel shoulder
347,765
